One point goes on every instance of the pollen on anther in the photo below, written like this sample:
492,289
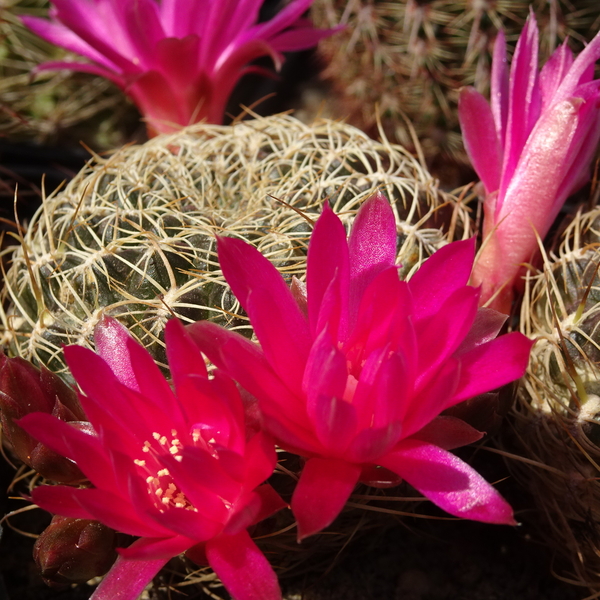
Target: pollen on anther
163,473
139,463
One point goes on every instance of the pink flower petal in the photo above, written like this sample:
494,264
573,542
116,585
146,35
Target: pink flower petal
278,344
448,433
327,259
448,482
260,460
487,325
372,246
335,423
440,335
525,102
248,271
325,373
60,500
323,488
183,354
553,72
65,439
242,567
446,271
127,579
499,88
244,361
110,338
480,137
370,444
492,365
155,549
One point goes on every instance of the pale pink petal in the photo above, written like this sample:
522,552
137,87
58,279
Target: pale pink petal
480,137
242,567
448,482
110,338
127,579
320,494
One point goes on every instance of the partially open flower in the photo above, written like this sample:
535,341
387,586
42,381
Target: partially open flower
178,60
354,376
174,467
531,146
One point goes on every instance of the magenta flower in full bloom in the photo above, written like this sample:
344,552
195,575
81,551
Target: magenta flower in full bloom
531,146
178,60
353,375
175,467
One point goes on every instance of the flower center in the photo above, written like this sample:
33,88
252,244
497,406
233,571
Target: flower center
161,486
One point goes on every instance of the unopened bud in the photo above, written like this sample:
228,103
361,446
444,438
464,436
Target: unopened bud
25,389
74,550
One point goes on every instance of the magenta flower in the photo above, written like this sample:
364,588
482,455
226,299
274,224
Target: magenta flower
176,468
178,60
354,374
531,147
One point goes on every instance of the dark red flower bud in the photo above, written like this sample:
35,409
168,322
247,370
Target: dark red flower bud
25,389
74,550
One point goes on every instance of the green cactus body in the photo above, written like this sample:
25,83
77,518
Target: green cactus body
557,414
133,235
407,60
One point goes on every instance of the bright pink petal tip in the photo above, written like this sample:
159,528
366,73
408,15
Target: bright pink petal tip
449,482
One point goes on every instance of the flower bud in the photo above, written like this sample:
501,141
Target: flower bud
25,389
74,550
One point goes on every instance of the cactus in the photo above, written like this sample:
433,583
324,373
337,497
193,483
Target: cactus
412,56
557,414
133,235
